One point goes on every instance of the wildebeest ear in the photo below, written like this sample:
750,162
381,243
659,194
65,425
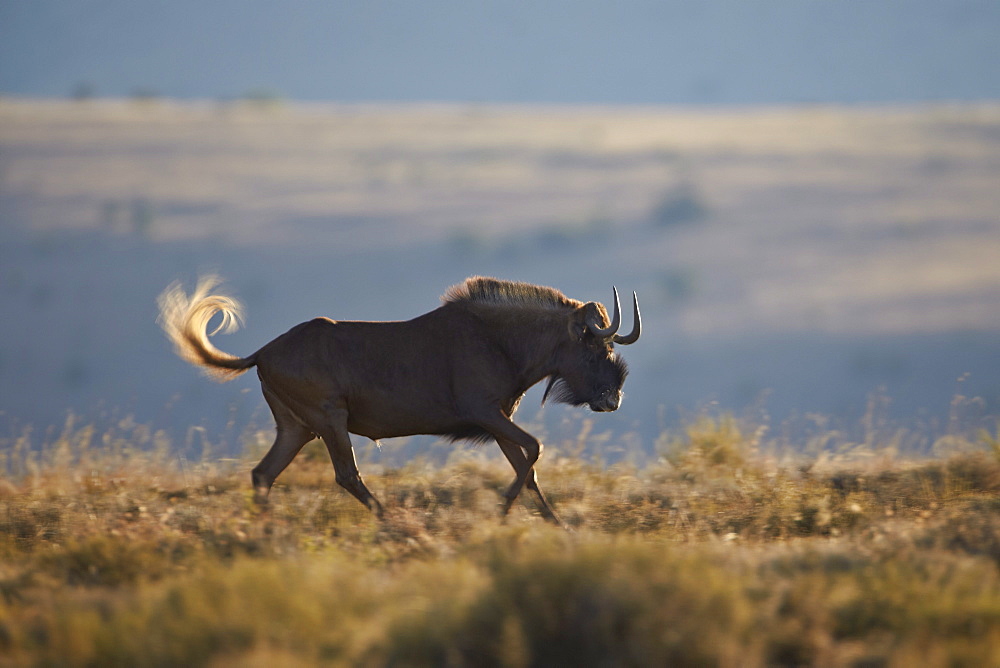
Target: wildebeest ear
578,320
577,325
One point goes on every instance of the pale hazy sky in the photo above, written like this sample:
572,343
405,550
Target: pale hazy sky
562,51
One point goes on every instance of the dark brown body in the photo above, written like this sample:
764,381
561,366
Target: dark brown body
458,371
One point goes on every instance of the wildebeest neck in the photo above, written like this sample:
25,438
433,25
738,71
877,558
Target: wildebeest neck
528,339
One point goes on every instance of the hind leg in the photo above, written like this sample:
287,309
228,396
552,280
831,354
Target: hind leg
291,436
338,444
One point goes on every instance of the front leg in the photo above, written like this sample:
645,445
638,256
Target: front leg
522,451
517,459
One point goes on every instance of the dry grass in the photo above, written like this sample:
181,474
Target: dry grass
113,552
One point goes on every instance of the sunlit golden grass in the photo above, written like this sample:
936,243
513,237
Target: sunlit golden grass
115,552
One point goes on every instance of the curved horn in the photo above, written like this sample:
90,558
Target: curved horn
616,322
632,336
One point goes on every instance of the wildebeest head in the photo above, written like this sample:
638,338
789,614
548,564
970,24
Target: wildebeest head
589,371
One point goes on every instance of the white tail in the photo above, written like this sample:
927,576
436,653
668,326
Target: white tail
185,321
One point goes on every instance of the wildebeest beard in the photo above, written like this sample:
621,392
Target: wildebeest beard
560,391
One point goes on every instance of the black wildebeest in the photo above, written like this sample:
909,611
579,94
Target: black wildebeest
458,371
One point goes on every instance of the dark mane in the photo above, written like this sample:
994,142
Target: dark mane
483,290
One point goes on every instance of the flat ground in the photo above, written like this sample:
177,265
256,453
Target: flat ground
770,247
842,220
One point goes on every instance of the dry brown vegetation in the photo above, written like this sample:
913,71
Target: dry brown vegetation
722,552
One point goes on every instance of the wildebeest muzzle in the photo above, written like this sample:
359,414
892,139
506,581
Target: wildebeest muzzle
608,401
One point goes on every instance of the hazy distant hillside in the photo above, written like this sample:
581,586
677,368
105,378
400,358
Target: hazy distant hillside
714,52
794,260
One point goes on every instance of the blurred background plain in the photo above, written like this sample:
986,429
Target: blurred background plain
804,195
